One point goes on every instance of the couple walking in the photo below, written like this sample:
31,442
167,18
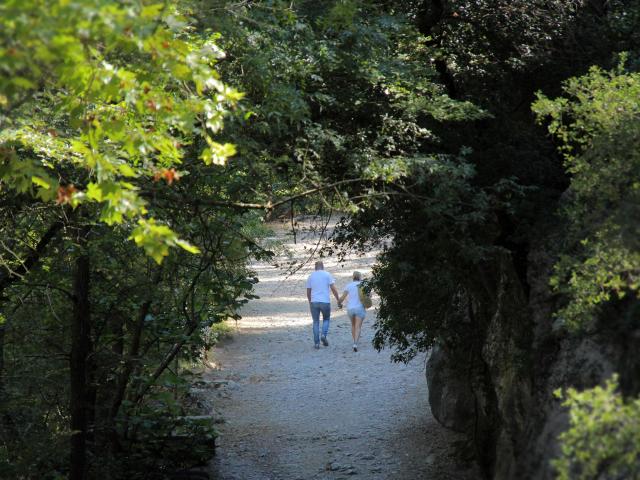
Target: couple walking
319,284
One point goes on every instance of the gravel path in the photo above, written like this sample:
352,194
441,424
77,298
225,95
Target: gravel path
292,412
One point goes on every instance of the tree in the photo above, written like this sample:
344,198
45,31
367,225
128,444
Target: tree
495,55
104,107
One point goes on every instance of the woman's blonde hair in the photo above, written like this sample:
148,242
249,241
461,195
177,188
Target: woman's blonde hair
357,275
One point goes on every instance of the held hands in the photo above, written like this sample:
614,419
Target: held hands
339,299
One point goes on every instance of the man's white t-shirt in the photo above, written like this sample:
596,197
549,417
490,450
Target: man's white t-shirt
319,282
353,299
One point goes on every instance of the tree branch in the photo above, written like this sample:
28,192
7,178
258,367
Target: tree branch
123,379
52,287
175,349
9,276
271,205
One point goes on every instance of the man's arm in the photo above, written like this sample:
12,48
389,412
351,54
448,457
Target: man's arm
336,294
309,294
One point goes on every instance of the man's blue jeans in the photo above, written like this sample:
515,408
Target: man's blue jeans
316,309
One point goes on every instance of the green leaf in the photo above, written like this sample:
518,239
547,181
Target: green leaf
127,171
187,246
94,192
41,182
152,11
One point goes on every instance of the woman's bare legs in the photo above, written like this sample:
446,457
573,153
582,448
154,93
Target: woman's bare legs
356,328
353,328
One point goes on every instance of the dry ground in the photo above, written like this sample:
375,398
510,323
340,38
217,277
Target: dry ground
292,412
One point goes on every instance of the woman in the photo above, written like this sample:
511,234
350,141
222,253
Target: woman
355,309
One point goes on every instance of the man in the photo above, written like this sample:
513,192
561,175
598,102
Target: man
318,285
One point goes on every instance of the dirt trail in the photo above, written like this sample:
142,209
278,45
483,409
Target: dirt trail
292,412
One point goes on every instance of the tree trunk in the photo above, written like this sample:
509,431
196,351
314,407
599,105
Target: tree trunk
2,327
3,420
79,369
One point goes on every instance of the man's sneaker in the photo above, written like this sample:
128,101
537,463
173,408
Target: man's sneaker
317,346
355,347
324,341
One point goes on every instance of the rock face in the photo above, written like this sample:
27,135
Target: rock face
498,387
450,395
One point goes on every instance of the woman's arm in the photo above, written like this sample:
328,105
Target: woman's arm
344,295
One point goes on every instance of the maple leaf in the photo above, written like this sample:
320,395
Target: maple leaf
65,193
170,175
